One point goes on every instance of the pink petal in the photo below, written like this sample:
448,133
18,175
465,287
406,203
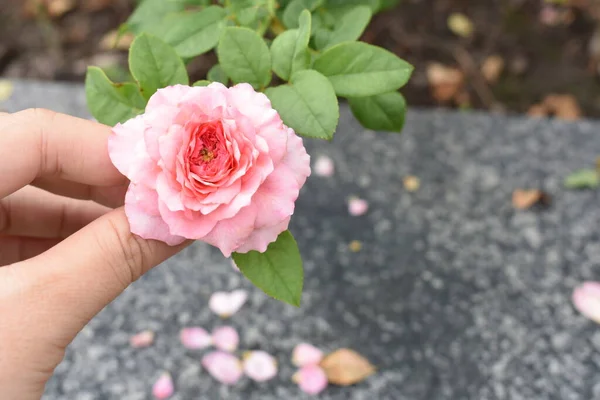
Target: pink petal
229,234
123,142
163,387
357,207
261,238
222,366
226,338
306,354
142,221
142,339
195,338
586,299
324,166
311,379
225,304
260,366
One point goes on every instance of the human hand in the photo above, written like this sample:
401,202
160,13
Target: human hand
65,253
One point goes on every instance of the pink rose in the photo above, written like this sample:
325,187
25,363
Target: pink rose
210,163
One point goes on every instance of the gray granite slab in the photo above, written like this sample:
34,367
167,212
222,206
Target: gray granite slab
455,295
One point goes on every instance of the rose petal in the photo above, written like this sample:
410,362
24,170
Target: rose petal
195,338
586,299
260,366
142,339
311,379
142,220
324,166
261,238
222,366
225,304
225,338
163,387
306,354
357,207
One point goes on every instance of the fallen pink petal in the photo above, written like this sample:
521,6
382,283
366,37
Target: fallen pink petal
225,304
311,379
225,338
260,366
222,366
306,354
357,207
324,166
163,387
586,299
195,338
142,339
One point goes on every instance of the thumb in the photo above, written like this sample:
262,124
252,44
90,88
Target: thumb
85,272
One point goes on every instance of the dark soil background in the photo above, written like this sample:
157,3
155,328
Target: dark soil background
536,56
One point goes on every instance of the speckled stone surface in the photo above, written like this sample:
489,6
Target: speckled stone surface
454,295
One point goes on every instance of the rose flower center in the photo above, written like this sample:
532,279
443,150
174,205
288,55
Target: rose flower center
207,154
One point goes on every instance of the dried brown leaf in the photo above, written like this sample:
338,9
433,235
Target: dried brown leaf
492,68
57,8
460,25
355,246
345,367
563,106
523,199
6,89
538,110
445,82
411,183
53,8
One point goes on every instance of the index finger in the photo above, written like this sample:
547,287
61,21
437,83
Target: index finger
38,142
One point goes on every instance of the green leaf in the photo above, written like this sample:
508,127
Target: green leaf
111,103
382,112
582,179
357,69
387,4
202,83
289,50
216,74
308,105
149,15
294,9
245,57
192,34
374,5
282,53
350,26
155,64
278,271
